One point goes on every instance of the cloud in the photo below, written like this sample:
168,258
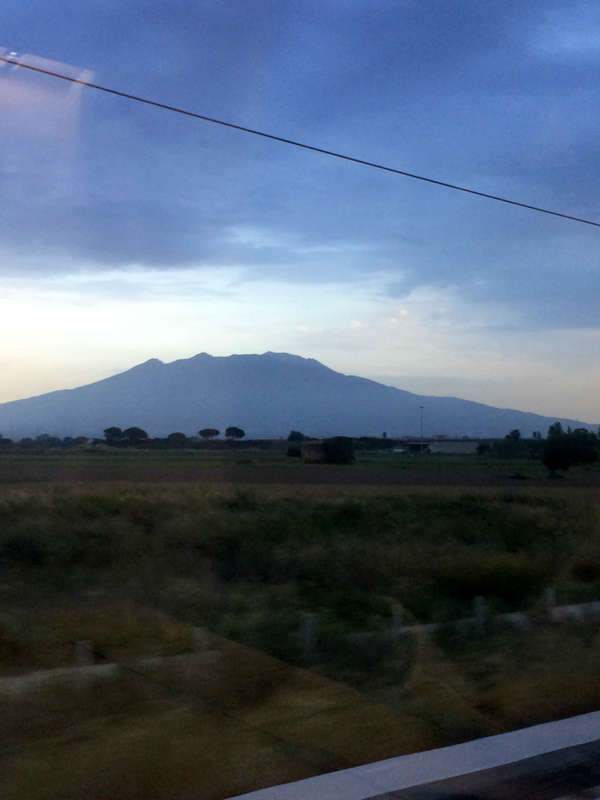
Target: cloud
451,92
84,326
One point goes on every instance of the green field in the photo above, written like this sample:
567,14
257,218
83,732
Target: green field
273,591
272,467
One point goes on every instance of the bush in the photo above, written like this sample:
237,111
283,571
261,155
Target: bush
563,450
512,578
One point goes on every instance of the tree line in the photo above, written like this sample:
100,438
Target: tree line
117,437
136,436
559,450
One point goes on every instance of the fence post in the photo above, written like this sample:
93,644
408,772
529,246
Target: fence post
200,639
84,653
480,614
308,634
550,599
84,657
397,616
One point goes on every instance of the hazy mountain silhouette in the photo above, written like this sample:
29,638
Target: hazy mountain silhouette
267,395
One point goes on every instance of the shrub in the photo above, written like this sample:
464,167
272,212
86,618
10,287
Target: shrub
563,450
509,577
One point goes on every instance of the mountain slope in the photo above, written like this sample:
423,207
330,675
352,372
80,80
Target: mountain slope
267,395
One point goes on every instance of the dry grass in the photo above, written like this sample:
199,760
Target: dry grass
234,720
46,637
231,719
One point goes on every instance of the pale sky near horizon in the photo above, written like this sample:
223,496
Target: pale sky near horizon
127,232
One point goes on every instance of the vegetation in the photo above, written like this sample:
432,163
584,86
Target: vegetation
234,432
296,436
513,446
248,564
113,435
564,449
559,451
177,439
299,592
209,433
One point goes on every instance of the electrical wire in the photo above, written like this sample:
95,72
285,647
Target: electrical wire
301,145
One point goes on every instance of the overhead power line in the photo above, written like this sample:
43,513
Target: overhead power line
295,143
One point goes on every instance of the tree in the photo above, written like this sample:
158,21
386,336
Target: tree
135,435
113,435
234,433
46,440
177,439
209,433
512,446
296,436
555,431
563,450
556,457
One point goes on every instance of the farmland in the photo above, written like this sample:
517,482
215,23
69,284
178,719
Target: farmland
272,468
267,595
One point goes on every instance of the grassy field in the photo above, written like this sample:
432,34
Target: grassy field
256,467
272,600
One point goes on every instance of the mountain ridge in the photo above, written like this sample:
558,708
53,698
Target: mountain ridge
267,394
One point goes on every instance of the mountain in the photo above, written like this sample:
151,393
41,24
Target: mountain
267,395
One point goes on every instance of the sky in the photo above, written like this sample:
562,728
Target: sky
128,232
